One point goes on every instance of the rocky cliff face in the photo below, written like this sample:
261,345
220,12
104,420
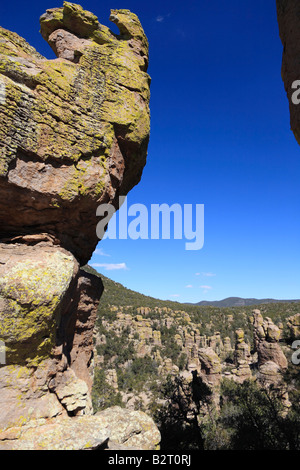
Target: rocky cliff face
288,13
74,134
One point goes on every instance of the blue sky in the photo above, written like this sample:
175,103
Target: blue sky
220,136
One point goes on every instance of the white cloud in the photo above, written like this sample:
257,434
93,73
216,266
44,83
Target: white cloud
110,266
161,18
100,252
175,295
205,288
205,274
189,286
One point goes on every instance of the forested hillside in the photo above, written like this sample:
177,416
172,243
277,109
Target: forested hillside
152,355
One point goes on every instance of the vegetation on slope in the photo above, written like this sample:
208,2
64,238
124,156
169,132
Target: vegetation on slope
140,337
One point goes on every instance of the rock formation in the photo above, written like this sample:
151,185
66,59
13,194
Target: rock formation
242,349
288,14
74,131
266,339
293,324
74,134
210,366
114,428
271,359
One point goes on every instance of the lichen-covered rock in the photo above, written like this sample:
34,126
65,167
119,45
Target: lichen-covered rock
131,429
72,392
266,341
25,396
288,14
113,428
270,372
48,311
227,348
74,131
242,371
34,284
79,433
242,349
74,134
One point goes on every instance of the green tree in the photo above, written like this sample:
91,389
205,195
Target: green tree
138,375
178,420
254,418
103,394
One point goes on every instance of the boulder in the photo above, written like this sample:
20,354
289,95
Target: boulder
114,428
270,372
74,131
36,286
133,429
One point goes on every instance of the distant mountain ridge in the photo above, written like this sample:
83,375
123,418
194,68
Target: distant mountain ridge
240,302
117,294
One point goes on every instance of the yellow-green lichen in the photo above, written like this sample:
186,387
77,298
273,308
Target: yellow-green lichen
86,178
32,291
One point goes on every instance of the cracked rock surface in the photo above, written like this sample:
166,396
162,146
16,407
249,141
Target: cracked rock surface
74,130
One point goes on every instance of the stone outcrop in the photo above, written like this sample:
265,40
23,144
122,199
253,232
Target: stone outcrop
48,310
271,358
293,324
266,339
288,14
74,134
132,429
74,131
114,428
242,349
241,357
210,366
80,433
227,348
112,378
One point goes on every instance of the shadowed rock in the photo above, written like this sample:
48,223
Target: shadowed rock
288,14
